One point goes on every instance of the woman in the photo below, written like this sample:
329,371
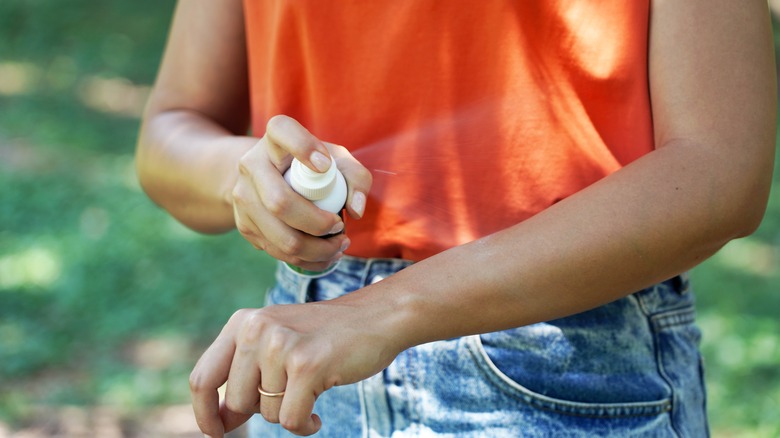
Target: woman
528,183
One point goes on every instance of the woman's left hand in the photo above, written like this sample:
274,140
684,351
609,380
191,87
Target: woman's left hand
301,350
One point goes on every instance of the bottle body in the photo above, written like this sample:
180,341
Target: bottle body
327,191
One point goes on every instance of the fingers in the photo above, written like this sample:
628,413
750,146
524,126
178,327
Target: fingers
261,189
274,218
274,382
209,374
293,409
282,202
358,178
261,354
232,420
288,137
241,396
296,414
289,245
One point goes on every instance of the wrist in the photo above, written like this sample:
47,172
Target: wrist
395,311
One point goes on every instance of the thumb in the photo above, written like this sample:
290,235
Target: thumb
285,137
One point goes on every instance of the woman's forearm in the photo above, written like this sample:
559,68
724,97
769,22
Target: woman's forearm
188,164
707,183
192,132
650,221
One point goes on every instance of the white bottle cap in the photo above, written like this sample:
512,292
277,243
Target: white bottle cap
310,184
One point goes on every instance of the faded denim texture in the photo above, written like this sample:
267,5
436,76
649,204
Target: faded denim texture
630,368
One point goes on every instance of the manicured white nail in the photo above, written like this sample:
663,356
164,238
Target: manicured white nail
358,203
339,227
320,161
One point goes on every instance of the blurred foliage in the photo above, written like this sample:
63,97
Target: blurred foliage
104,299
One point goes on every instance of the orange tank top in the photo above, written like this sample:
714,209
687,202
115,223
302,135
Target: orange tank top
471,116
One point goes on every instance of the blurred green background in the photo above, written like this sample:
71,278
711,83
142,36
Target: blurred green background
106,302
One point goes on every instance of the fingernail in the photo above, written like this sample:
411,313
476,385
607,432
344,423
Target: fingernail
320,161
339,227
358,203
344,245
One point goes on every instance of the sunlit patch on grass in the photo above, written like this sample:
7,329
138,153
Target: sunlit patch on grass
33,267
11,336
162,352
751,256
114,95
94,222
741,343
18,77
742,354
61,73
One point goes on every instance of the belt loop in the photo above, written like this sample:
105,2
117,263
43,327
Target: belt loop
366,272
681,283
303,293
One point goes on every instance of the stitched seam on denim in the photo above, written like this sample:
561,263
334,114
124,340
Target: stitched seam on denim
662,372
582,409
641,302
685,277
685,307
361,388
674,318
663,321
366,270
303,290
414,390
686,288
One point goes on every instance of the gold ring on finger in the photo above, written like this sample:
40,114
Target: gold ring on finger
269,394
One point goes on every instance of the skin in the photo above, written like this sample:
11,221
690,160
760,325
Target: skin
713,100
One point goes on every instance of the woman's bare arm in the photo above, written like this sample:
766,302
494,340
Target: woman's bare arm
195,124
714,104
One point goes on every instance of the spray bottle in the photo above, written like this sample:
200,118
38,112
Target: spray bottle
327,190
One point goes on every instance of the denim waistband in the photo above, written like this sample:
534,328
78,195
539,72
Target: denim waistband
353,273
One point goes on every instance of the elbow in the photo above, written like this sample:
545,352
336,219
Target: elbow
749,198
144,169
752,214
748,222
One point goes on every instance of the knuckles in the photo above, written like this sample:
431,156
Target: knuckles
198,382
257,327
293,425
277,123
239,196
276,202
292,246
248,325
245,164
302,363
271,416
244,229
240,406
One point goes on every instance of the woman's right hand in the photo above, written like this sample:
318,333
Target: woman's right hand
273,217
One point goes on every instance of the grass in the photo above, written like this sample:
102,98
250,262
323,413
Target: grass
106,301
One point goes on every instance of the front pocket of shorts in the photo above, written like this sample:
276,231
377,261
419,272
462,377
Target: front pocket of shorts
609,371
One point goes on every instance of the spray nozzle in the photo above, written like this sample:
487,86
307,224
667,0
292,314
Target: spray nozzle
310,184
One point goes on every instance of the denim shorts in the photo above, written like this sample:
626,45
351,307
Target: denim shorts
630,368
